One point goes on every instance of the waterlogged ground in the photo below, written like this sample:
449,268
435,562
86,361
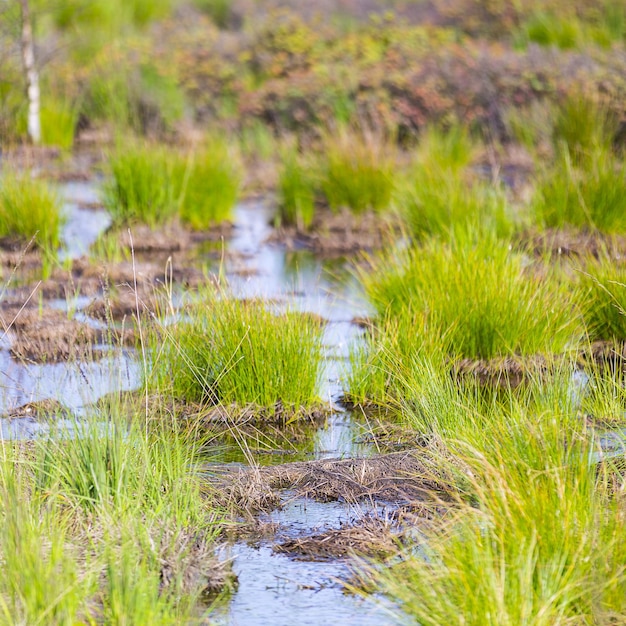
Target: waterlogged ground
273,587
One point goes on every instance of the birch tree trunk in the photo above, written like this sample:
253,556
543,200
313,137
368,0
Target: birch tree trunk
32,76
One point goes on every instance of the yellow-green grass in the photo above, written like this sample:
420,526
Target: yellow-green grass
603,291
479,295
586,191
152,184
537,535
604,399
357,172
227,351
297,186
101,524
143,185
29,208
211,180
441,193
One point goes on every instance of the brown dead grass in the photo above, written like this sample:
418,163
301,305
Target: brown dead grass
400,477
571,242
371,537
48,336
39,410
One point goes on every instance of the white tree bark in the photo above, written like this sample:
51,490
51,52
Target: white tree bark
32,76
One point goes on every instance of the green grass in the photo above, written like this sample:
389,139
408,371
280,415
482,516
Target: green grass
212,180
439,202
584,125
586,192
152,184
441,194
58,123
536,534
479,296
103,526
549,29
603,285
296,191
604,400
357,173
29,208
143,186
235,352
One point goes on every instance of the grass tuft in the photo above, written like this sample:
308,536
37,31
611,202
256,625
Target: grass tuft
603,285
142,186
30,208
153,184
480,297
357,173
536,534
235,352
296,191
442,195
211,185
588,191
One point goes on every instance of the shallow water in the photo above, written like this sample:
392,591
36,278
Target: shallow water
280,590
82,225
274,589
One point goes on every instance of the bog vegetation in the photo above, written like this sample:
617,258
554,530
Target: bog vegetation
491,135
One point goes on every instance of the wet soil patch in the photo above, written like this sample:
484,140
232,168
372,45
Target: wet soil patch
173,237
373,537
124,303
570,242
339,234
48,336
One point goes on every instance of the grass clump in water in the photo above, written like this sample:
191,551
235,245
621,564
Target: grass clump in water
603,286
30,208
296,191
357,173
152,184
541,540
441,195
480,297
586,192
109,520
234,352
144,185
210,185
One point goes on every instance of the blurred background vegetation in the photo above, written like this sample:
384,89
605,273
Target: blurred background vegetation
164,67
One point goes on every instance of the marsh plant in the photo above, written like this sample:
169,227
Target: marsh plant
603,292
587,191
143,185
603,401
153,184
480,296
537,531
30,208
229,351
297,186
357,172
442,195
210,178
106,522
583,124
